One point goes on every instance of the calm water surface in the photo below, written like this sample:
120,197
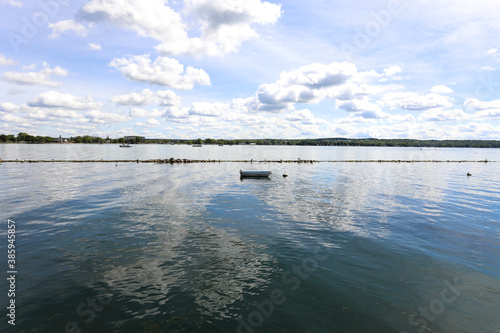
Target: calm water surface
335,247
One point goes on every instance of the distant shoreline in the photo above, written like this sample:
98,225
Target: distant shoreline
336,142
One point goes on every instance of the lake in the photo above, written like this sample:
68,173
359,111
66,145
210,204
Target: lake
334,247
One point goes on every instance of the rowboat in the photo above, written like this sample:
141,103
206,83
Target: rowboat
255,173
125,145
197,145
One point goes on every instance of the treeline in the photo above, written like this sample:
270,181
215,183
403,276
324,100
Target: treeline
26,138
344,142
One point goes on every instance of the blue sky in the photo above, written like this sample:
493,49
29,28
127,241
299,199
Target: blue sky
251,69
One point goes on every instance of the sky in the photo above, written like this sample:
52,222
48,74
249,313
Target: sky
235,69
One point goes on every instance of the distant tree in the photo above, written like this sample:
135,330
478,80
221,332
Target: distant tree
22,136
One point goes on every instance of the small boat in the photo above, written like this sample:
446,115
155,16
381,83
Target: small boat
255,173
197,145
125,145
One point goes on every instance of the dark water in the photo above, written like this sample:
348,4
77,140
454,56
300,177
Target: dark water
335,247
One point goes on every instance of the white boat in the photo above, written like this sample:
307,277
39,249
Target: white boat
197,145
255,173
125,145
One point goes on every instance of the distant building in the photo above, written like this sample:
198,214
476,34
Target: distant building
59,140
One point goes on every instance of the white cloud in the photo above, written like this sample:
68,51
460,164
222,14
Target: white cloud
136,99
488,68
441,89
148,123
218,26
95,47
401,118
13,3
351,119
176,114
48,114
54,99
141,113
357,105
163,71
415,102
6,62
65,26
206,109
9,107
96,116
443,115
476,104
167,98
491,51
392,71
483,109
305,117
42,77
146,96
308,84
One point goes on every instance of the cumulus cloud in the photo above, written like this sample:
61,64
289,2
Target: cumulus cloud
176,114
401,118
308,84
141,113
42,77
206,109
146,96
54,99
441,89
357,105
483,109
415,102
66,26
476,104
217,26
162,71
95,47
148,123
392,71
9,107
6,62
98,117
443,115
167,98
136,99
305,117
